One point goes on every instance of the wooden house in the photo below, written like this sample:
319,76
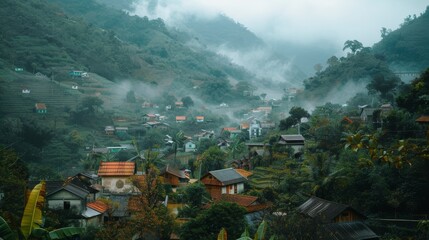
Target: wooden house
329,212
174,177
295,141
68,197
340,221
115,176
40,108
223,181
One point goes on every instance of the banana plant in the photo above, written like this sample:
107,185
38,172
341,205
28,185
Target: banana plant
259,235
32,219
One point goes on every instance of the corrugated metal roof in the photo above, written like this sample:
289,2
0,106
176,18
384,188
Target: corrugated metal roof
319,208
116,169
350,231
89,213
295,137
227,176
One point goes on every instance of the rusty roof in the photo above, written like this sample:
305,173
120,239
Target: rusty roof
242,200
243,172
116,169
423,119
98,206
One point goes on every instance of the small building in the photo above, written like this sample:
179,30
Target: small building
94,213
295,141
121,129
190,146
174,177
255,130
68,197
423,119
178,104
180,119
367,114
329,212
26,91
199,119
109,130
40,108
75,73
150,117
223,181
158,125
115,176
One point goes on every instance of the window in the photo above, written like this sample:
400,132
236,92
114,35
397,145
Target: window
235,188
66,205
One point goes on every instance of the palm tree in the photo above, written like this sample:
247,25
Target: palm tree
178,140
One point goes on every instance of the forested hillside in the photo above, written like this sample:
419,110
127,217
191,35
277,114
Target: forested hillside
406,48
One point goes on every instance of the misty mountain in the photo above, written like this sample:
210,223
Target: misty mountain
407,48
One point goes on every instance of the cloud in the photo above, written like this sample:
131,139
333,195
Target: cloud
304,21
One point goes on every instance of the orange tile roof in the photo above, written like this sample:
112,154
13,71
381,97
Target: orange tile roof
200,117
243,172
244,125
180,118
116,169
40,106
229,129
98,206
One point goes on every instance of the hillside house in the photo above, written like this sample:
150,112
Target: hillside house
423,119
158,125
223,181
174,177
109,130
265,109
199,119
78,74
386,109
204,134
367,114
329,212
178,104
115,176
40,108
190,146
121,129
94,213
339,220
150,117
244,125
255,130
180,119
295,141
74,193
26,91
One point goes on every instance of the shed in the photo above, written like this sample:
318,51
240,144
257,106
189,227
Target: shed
40,108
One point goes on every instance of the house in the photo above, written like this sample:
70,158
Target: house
190,146
256,146
423,119
295,141
386,109
244,125
174,177
266,110
40,108
255,129
199,119
109,130
121,129
204,134
180,119
94,213
115,176
223,144
223,181
158,125
78,74
366,113
329,212
74,193
340,221
150,117
178,104
26,91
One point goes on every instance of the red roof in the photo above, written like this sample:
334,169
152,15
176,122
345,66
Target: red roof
40,106
229,129
116,169
180,118
98,206
242,200
200,117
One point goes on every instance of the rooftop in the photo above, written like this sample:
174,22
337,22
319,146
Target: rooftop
116,169
227,176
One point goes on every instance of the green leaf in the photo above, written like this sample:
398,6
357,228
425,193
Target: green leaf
222,235
40,233
32,217
5,232
245,233
260,233
66,232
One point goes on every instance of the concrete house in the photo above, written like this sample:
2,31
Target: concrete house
40,108
190,146
115,176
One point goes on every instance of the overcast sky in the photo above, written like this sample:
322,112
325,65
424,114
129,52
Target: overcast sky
302,21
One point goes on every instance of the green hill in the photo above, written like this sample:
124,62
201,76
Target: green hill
407,47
